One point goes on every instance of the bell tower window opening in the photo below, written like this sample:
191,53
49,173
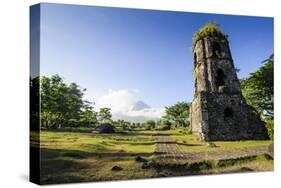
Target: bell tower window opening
216,51
228,112
220,78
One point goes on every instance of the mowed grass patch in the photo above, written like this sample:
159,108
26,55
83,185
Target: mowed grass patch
65,169
192,143
81,157
74,129
73,157
97,143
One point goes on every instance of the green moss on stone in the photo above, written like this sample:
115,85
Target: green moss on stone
208,30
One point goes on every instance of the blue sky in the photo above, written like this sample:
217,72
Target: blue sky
143,52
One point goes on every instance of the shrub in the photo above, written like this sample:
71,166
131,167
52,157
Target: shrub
73,123
147,127
124,126
211,144
270,128
166,127
198,166
231,162
186,131
189,132
149,124
164,124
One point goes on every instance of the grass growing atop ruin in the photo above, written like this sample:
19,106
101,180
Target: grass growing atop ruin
208,30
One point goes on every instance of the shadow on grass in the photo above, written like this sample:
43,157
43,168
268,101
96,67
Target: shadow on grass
166,142
123,134
162,134
186,144
67,166
54,153
142,143
136,133
133,143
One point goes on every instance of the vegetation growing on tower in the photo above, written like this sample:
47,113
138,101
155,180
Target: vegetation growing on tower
208,30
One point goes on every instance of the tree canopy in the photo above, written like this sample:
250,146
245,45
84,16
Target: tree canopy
105,115
63,105
177,114
257,89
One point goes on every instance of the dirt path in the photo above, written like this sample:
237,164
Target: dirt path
167,151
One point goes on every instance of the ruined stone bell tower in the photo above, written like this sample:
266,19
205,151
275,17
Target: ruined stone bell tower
218,111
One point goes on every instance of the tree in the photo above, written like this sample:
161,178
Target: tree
257,89
60,102
149,124
88,115
105,115
166,125
74,101
34,103
123,124
177,114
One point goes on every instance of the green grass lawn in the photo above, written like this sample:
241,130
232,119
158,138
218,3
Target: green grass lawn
192,143
97,143
81,156
73,157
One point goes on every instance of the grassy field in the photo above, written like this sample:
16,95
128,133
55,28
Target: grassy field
74,156
192,143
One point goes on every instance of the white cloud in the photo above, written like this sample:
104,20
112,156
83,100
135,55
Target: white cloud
122,102
118,101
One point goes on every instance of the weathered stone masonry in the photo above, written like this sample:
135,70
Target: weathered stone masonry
217,111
